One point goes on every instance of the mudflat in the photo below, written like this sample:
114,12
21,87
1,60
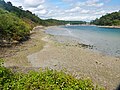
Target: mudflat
45,51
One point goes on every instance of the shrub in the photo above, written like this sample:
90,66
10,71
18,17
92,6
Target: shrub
42,80
12,27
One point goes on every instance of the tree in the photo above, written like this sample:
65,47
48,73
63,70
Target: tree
9,3
108,19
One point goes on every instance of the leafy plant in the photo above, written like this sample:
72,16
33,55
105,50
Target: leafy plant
11,27
43,80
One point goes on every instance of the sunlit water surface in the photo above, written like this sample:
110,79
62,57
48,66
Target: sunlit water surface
104,40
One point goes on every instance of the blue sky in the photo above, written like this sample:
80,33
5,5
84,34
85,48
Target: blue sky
69,9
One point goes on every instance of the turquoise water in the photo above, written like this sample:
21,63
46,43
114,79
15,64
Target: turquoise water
104,40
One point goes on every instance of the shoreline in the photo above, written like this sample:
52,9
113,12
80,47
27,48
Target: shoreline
44,51
117,27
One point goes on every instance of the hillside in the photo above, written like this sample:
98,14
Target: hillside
112,19
19,12
12,28
27,16
16,23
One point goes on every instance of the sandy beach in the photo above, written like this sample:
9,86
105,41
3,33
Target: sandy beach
64,53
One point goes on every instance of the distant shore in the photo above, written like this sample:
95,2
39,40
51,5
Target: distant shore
118,27
109,27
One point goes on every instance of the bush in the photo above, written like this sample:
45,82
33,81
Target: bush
42,80
12,27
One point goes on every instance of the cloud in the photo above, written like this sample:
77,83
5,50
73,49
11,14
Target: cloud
102,12
73,9
94,3
38,8
16,2
77,10
90,3
84,11
33,3
41,12
69,0
67,9
77,18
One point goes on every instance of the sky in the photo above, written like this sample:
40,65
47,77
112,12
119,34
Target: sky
80,10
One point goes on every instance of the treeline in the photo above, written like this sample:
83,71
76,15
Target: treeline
76,22
108,19
62,22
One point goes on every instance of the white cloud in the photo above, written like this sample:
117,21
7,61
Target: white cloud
84,18
69,0
16,2
66,9
95,3
90,3
33,3
41,12
84,11
102,12
33,9
73,9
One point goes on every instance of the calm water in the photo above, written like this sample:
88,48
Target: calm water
104,40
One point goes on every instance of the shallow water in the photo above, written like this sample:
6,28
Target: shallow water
104,40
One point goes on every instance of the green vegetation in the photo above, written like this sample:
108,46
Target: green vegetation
12,28
19,12
76,22
42,80
112,19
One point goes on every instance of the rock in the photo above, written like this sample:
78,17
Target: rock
15,42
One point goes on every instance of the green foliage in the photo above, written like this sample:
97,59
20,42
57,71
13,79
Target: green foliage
11,27
5,75
42,80
108,19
